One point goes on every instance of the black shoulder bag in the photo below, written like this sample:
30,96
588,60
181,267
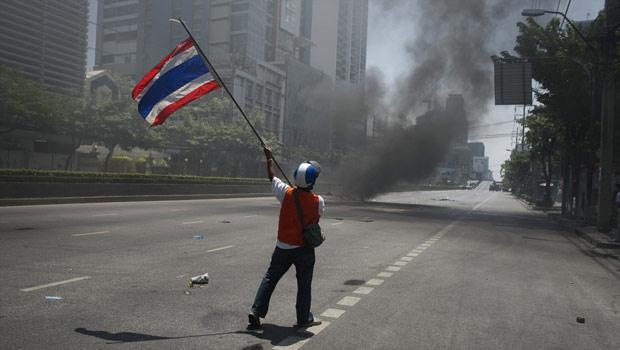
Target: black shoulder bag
312,235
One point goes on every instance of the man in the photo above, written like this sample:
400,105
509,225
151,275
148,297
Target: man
290,249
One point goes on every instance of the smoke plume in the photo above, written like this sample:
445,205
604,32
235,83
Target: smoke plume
450,53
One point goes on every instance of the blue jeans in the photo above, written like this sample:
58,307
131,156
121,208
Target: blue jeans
281,260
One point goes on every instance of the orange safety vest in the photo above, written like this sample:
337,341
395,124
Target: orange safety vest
289,228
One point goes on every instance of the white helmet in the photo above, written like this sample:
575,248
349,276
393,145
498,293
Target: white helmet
306,174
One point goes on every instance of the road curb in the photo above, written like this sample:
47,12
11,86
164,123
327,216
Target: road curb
587,233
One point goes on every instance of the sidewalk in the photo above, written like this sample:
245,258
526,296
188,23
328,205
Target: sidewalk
588,233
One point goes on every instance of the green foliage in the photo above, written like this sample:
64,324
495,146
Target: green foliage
515,171
23,103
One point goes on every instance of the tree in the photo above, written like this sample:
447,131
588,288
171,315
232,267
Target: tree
23,103
515,171
565,128
117,123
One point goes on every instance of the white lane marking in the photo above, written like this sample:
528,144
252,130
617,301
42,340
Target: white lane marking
484,201
400,263
374,282
385,274
416,251
392,268
413,254
109,214
192,222
55,283
251,216
90,233
175,210
337,223
426,245
421,248
220,248
348,301
406,258
295,342
363,290
332,313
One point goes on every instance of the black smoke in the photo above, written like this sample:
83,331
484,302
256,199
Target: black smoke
448,53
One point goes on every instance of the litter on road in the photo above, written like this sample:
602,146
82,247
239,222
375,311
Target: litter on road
52,297
200,279
199,237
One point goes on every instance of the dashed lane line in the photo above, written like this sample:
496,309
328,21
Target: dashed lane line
333,313
220,248
192,222
363,290
108,214
348,301
90,233
337,223
297,341
374,282
53,284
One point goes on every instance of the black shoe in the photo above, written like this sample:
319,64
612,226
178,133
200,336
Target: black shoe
253,322
314,322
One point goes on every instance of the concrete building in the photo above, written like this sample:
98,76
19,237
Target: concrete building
338,32
476,148
46,40
117,36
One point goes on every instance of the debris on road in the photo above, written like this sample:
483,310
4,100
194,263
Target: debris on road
200,279
52,297
225,222
581,320
186,292
199,237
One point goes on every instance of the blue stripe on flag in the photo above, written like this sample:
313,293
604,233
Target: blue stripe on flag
170,82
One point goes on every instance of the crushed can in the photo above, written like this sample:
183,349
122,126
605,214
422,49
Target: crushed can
200,279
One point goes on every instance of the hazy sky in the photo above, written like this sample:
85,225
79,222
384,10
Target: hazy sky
386,50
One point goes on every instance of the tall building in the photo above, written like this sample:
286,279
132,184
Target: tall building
46,40
338,31
117,36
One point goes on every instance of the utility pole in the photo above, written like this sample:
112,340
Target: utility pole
605,202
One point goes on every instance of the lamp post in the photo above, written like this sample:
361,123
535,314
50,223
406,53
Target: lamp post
604,215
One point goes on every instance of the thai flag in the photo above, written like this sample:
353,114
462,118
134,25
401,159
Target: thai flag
177,80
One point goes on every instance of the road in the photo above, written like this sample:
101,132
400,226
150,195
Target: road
425,270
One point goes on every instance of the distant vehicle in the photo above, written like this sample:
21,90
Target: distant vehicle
495,187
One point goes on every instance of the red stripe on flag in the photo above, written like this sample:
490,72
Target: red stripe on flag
184,45
199,91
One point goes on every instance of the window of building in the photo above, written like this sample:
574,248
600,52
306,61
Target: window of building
239,21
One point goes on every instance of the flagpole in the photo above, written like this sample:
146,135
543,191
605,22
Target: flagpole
221,82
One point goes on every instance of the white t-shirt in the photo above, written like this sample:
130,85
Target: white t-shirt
279,189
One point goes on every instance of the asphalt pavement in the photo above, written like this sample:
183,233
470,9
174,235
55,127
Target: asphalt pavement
467,269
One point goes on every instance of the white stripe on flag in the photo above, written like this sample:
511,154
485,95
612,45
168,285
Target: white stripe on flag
174,61
177,95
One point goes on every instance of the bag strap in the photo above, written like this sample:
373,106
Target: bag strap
300,213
